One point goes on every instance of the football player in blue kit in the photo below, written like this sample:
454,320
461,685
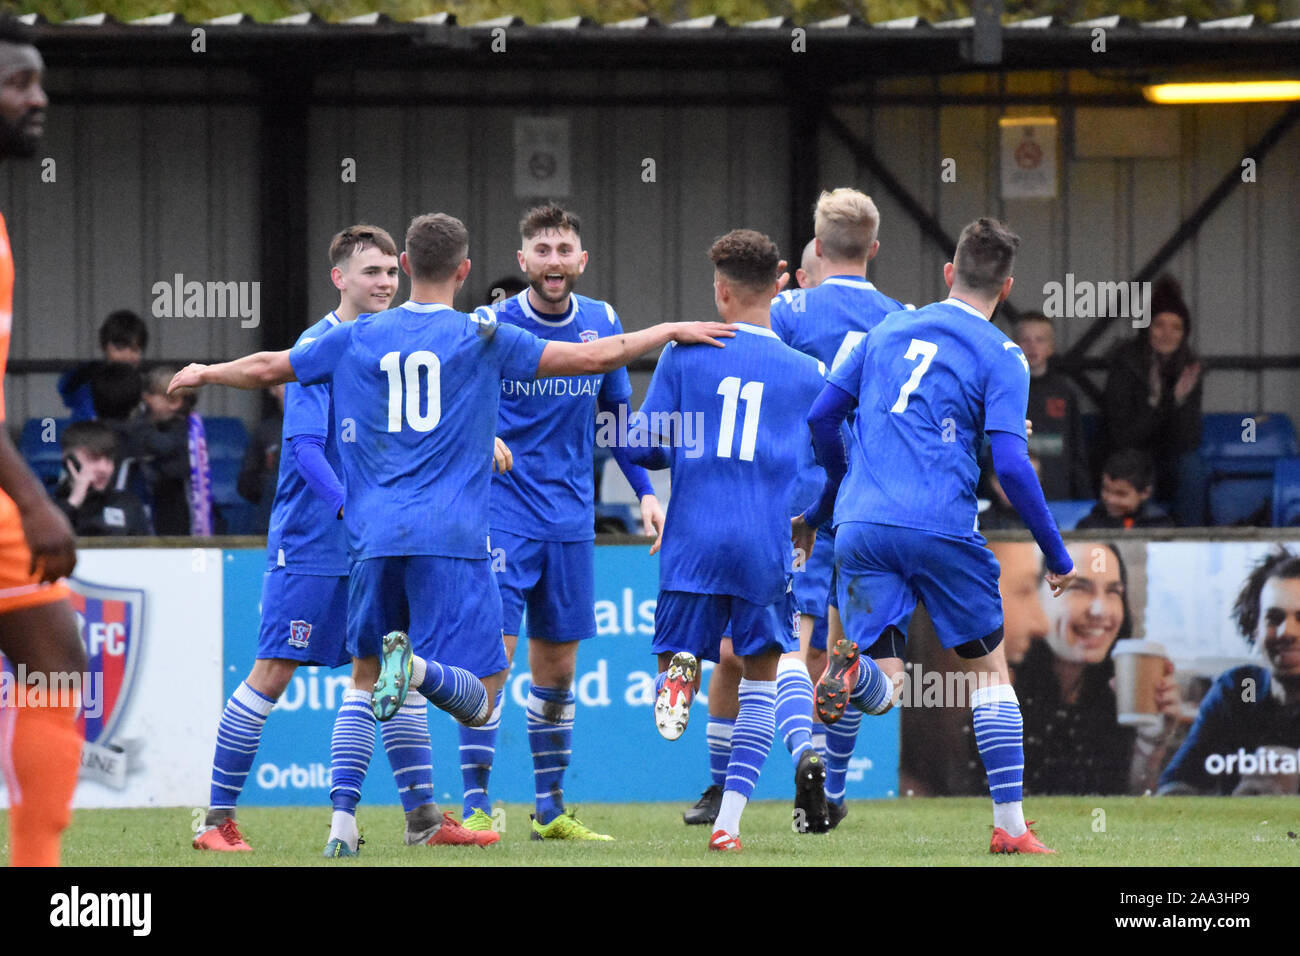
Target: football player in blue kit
927,385
419,386
543,519
304,590
728,570
824,319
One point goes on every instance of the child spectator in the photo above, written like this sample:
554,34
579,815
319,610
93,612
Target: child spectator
93,508
1054,409
123,338
158,440
1126,486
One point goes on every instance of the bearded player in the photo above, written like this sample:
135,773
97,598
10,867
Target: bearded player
542,517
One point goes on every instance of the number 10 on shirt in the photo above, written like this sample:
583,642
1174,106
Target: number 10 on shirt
406,379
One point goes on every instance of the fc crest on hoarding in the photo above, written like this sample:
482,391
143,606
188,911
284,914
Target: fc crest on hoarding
111,622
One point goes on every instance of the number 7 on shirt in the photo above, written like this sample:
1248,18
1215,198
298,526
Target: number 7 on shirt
926,351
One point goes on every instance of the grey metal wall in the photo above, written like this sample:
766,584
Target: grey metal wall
1239,273
141,193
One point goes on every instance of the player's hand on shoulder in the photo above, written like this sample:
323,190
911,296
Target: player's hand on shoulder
1060,583
1029,428
188,377
50,538
502,459
702,333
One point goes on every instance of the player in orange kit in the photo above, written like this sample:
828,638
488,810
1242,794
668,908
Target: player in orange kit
40,744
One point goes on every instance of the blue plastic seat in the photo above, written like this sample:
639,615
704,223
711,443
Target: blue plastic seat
1069,513
1286,493
44,457
1241,451
227,437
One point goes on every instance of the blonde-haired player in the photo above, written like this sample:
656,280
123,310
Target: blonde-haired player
825,322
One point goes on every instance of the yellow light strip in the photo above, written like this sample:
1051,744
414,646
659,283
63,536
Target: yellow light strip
1245,92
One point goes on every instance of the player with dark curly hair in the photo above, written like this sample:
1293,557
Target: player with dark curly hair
1253,706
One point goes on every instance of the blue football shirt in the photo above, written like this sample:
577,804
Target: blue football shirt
929,384
305,535
416,390
828,320
728,523
549,425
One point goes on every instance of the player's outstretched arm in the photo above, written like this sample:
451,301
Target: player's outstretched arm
259,370
613,351
1011,462
825,419
48,533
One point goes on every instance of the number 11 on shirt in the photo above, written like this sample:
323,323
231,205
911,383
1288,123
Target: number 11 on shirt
752,394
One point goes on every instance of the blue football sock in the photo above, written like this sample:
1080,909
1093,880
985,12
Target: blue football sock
452,689
550,736
410,751
238,735
794,706
841,738
660,679
819,739
351,745
999,735
719,736
478,748
751,738
874,690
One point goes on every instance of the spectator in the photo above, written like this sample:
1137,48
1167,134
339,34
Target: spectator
93,508
1054,409
261,469
1126,485
1253,707
123,337
502,289
115,391
158,439
1153,401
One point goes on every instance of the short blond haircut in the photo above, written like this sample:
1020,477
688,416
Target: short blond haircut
846,221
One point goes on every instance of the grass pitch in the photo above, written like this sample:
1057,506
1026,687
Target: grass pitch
1087,831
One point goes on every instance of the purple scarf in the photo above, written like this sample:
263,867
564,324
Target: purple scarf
200,487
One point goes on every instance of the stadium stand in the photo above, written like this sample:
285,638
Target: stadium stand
1242,471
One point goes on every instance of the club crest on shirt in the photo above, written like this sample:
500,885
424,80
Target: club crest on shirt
588,335
299,634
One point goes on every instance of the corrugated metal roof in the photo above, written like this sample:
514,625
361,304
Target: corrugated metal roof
1247,22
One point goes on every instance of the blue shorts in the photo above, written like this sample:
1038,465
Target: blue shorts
555,580
812,583
304,618
685,621
449,607
884,570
